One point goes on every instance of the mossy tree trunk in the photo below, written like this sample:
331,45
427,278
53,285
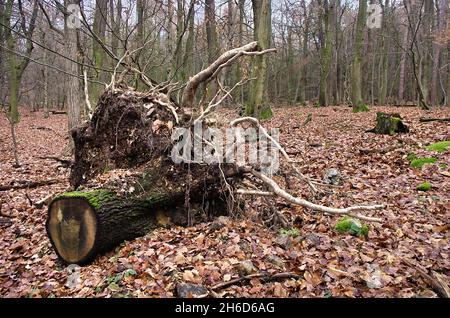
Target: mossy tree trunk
389,124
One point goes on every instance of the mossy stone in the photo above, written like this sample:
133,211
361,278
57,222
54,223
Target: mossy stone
424,186
351,226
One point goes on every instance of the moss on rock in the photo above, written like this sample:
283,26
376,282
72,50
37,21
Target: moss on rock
424,186
351,226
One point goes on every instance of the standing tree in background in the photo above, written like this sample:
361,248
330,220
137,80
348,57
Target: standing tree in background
211,39
74,100
257,103
17,65
357,101
325,37
98,53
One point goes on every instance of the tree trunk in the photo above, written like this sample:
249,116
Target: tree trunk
356,66
98,53
401,84
383,81
74,100
257,100
325,51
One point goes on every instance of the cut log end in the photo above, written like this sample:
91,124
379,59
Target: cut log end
72,226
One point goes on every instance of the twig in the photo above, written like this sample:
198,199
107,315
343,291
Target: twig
264,276
29,184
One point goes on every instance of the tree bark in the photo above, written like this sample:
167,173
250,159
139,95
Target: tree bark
356,66
257,100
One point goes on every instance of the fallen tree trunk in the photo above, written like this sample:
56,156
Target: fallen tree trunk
81,225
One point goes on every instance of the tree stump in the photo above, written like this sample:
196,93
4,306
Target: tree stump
389,124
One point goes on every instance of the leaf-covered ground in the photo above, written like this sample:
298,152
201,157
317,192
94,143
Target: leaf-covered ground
375,169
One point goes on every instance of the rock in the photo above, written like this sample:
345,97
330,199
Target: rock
332,176
313,239
284,241
220,223
186,290
246,268
275,260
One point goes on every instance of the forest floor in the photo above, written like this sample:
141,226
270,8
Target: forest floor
375,169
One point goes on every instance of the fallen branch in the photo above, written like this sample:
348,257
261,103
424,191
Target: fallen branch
64,162
427,120
350,211
44,201
438,285
29,184
263,276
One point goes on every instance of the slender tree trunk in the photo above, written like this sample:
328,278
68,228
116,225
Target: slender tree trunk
356,65
239,95
427,49
257,99
74,100
188,63
401,82
325,51
212,40
98,53
383,80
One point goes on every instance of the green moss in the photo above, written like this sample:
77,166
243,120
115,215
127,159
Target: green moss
93,197
420,162
266,113
411,156
440,146
290,232
424,186
442,165
351,226
360,108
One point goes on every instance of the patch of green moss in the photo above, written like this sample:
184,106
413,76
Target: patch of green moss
420,162
424,186
93,197
360,108
293,232
440,146
411,156
351,226
442,165
266,113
